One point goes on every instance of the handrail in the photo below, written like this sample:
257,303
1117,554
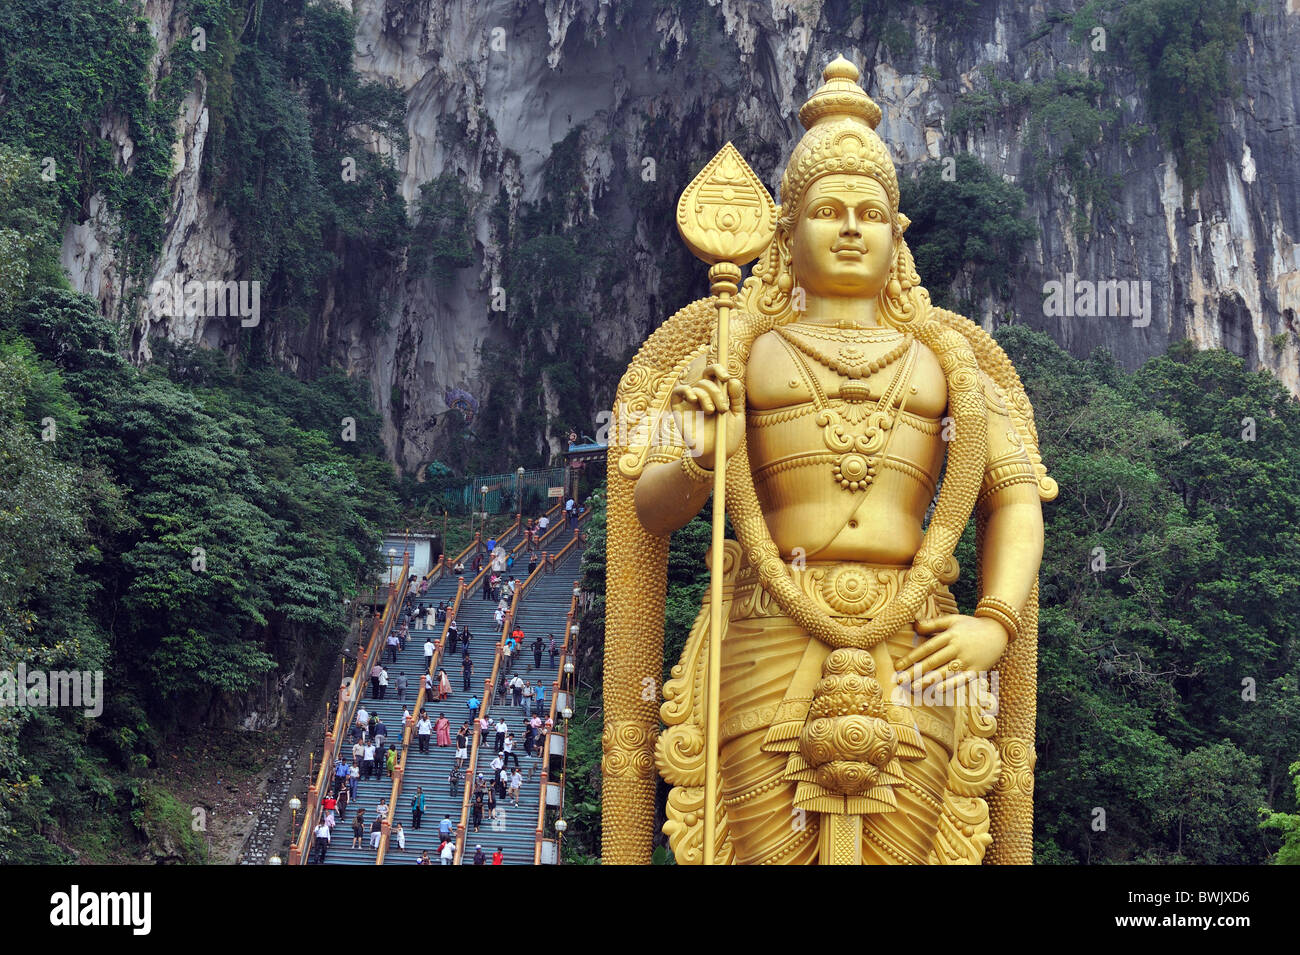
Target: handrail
546,739
547,566
400,775
298,853
442,563
484,709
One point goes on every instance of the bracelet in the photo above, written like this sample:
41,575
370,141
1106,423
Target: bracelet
694,471
1001,611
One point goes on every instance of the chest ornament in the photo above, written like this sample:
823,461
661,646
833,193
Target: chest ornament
855,429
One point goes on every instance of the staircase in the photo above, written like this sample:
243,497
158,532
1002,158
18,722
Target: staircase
370,792
434,772
542,611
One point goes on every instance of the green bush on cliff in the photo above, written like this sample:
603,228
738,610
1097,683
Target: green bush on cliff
969,225
1182,50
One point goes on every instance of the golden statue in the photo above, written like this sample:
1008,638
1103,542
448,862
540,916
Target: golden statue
832,704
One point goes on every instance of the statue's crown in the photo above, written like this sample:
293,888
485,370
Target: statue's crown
839,96
841,121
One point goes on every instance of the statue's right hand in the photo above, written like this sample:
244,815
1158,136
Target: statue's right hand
696,409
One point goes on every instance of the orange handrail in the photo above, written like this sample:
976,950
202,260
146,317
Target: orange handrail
547,566
565,652
439,646
484,709
298,852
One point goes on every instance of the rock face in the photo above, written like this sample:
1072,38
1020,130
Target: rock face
651,89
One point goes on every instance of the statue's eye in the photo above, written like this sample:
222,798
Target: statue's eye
825,212
874,215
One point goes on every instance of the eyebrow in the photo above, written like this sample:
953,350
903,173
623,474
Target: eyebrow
865,200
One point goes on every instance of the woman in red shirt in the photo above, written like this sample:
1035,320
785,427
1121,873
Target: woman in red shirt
496,857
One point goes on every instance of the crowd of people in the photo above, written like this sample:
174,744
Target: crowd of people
373,756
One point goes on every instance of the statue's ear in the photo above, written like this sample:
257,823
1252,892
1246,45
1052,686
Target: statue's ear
903,223
781,238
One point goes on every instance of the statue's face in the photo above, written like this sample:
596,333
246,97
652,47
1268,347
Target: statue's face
843,239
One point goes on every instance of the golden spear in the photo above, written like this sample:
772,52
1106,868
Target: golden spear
726,218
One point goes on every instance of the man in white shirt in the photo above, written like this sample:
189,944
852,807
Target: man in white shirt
501,729
422,730
428,652
543,522
322,842
368,761
393,642
516,781
517,689
448,852
383,682
500,617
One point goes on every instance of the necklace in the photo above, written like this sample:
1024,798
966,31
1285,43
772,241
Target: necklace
851,360
839,333
853,430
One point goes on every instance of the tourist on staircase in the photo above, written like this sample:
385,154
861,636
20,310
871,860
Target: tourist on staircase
423,730
462,745
417,807
322,841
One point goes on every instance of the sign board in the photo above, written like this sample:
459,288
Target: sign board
555,492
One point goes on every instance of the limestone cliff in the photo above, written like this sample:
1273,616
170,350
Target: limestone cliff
642,93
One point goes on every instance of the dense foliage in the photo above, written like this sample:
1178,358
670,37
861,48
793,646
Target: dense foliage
179,528
1064,120
967,226
1168,694
1182,49
307,197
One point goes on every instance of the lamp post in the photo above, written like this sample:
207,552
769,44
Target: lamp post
519,494
484,491
560,828
295,804
274,860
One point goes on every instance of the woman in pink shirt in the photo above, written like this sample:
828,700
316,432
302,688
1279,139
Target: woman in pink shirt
443,726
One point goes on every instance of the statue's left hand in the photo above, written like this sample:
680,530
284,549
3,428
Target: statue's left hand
976,643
